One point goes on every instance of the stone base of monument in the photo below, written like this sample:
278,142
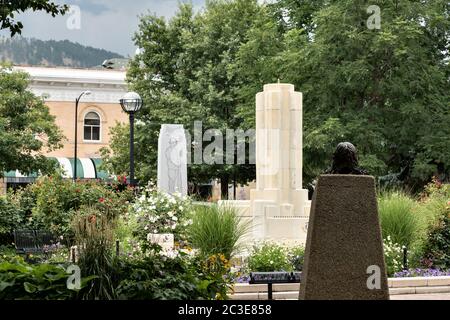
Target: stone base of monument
272,222
344,250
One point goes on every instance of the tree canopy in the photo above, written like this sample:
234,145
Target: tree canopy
8,10
27,129
386,90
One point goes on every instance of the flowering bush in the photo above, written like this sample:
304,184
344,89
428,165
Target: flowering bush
158,212
215,274
269,257
393,256
51,202
436,207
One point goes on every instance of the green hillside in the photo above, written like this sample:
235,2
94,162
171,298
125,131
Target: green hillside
33,52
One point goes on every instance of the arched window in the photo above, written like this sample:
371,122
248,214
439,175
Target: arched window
92,127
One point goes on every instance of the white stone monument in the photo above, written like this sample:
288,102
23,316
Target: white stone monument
279,206
172,159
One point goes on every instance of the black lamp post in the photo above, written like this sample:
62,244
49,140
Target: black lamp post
131,103
77,101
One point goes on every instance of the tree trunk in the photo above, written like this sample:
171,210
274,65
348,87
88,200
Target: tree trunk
224,181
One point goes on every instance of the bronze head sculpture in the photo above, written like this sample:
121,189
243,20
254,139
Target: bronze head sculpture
345,160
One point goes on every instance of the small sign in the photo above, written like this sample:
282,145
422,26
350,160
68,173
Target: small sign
165,240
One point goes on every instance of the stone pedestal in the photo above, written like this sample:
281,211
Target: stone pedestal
344,244
172,159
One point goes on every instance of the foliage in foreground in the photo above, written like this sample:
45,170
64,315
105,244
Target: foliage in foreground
20,280
156,277
11,8
217,230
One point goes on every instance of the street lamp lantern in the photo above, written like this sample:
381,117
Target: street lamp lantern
131,103
77,101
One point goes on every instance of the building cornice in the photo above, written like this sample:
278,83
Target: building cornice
62,84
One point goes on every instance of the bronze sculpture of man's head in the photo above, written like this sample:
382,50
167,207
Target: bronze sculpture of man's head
345,160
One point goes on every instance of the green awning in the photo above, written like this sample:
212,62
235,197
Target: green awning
100,173
86,169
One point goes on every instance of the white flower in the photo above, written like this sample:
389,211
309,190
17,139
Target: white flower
146,228
180,208
169,253
174,227
174,218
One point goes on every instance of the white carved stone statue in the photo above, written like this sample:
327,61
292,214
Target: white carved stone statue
172,159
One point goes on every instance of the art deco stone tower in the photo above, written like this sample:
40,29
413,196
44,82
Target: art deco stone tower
279,206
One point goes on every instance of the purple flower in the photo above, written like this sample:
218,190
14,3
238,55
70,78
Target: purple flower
431,272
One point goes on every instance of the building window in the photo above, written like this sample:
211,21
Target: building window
92,127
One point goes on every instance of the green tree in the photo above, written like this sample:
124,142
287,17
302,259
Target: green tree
8,10
186,73
385,90
27,129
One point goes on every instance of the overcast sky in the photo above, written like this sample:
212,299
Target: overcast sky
106,24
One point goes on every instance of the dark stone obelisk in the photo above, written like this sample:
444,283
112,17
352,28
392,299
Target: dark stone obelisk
344,242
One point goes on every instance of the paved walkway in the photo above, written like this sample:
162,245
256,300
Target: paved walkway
433,296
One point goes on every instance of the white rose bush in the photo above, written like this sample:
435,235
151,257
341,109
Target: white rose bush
156,212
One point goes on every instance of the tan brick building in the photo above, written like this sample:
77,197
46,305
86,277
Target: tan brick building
97,113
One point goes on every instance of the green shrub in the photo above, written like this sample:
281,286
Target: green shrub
400,220
269,257
15,213
437,248
216,230
296,257
156,277
22,281
436,207
51,202
11,217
